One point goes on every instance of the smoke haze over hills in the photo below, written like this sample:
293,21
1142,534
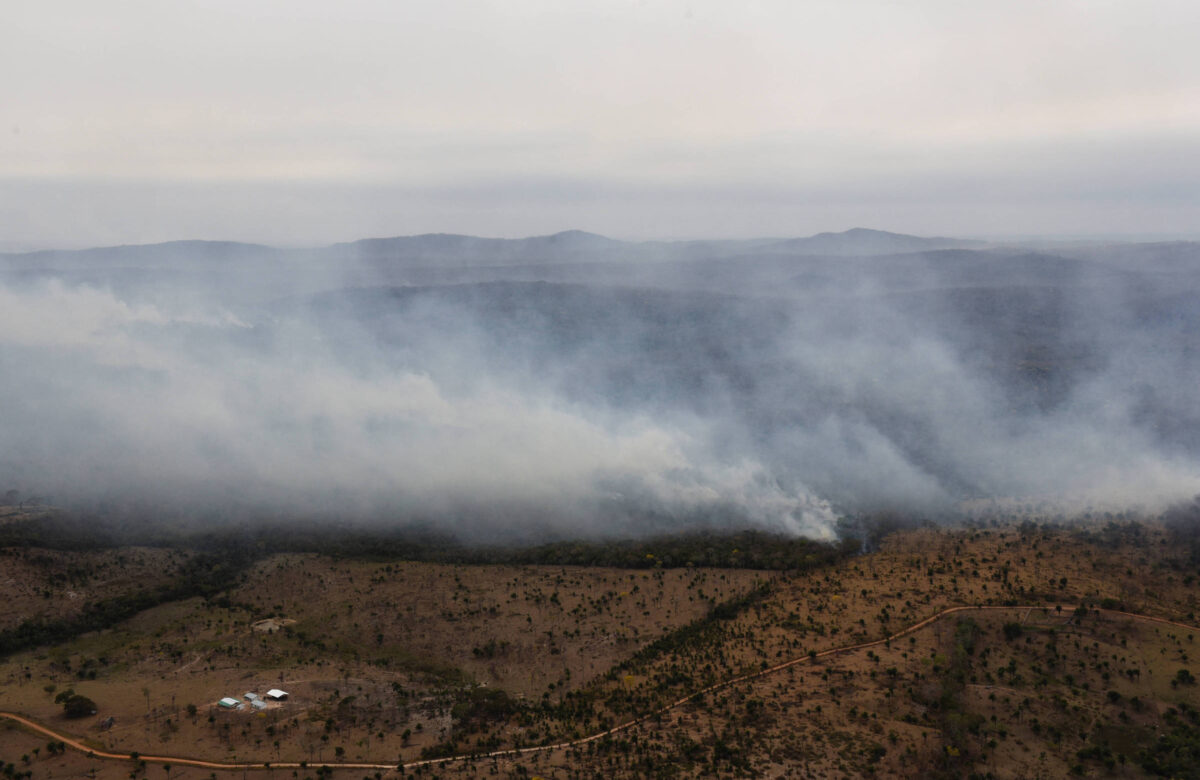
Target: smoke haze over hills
577,385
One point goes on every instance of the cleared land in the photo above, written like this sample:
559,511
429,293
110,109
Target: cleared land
56,584
391,661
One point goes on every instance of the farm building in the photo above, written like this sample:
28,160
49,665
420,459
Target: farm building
277,694
228,702
258,704
250,696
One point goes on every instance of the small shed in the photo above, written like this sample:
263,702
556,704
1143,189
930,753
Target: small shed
277,694
250,696
258,704
228,702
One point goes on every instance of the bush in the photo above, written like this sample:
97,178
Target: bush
77,706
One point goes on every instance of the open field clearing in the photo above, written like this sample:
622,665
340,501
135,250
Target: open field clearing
403,661
376,649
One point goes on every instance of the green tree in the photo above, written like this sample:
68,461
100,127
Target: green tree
77,706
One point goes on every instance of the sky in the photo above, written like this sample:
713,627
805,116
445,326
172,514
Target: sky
306,123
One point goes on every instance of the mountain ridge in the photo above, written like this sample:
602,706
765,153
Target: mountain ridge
854,241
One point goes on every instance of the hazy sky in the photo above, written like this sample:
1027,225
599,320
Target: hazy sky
301,122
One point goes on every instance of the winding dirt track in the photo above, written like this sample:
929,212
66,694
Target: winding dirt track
513,752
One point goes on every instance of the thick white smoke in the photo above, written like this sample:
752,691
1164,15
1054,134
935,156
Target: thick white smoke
778,390
193,408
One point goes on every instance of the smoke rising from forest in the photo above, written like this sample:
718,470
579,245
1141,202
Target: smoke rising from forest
576,386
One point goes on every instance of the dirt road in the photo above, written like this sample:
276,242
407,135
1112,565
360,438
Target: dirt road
73,742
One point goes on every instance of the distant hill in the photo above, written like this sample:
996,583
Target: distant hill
445,249
1166,257
170,253
450,251
863,241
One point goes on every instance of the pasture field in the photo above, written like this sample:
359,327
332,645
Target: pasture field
1007,649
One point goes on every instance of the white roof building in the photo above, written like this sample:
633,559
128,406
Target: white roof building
275,693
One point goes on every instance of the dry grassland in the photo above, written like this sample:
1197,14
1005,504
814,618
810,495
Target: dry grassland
56,584
374,662
391,661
